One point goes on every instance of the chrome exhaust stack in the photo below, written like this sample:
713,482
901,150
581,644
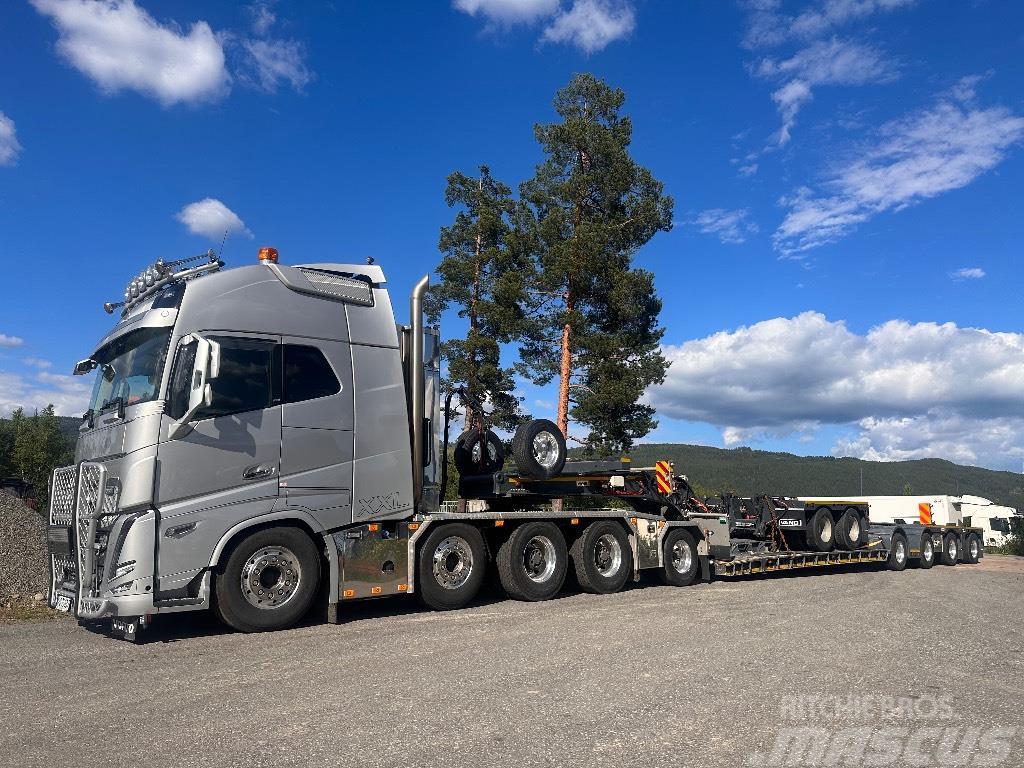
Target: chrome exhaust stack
415,386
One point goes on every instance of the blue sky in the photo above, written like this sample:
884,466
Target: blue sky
844,275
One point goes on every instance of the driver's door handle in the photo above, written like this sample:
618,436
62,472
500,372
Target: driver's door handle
257,471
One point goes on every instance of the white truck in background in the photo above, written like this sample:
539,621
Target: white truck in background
969,511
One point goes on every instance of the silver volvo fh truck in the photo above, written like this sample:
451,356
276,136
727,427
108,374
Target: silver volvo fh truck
240,418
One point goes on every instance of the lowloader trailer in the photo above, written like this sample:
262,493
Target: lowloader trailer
260,435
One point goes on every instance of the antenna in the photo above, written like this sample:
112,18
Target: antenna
220,251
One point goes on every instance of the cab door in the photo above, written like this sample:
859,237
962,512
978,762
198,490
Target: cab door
226,468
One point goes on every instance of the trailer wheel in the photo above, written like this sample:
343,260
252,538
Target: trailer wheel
950,549
681,559
539,449
478,453
821,530
972,553
849,529
451,565
268,581
898,552
602,558
927,558
533,561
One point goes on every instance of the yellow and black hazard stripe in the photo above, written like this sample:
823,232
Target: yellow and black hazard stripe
663,473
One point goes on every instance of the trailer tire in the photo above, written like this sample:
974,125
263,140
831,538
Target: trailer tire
682,563
950,549
899,552
533,562
972,552
450,566
849,529
538,447
467,453
927,557
821,530
268,581
602,558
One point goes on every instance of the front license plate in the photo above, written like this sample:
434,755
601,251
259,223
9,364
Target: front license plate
63,603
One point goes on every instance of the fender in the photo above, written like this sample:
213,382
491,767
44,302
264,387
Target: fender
286,513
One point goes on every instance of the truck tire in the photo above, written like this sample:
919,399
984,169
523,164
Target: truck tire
268,581
821,530
927,557
950,549
681,560
899,552
539,449
849,529
972,552
533,562
602,558
450,566
478,453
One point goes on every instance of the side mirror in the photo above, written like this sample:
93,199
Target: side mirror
205,368
83,367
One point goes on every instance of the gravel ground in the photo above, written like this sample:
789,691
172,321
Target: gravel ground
23,563
714,674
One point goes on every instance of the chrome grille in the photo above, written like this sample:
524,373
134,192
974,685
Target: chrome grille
62,495
92,481
62,570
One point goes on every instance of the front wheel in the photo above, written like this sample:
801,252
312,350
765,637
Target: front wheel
269,580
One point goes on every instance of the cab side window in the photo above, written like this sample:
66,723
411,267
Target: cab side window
307,374
246,381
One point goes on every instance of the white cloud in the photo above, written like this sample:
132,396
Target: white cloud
9,146
826,62
120,46
508,11
10,341
917,157
731,227
787,375
278,61
68,394
592,24
37,362
263,18
767,26
747,170
968,273
210,218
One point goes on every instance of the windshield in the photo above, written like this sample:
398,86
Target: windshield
130,368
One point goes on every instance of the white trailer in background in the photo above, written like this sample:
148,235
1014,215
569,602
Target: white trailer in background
992,518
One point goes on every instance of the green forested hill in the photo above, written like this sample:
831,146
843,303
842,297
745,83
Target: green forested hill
746,471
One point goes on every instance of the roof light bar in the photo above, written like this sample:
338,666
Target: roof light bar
161,273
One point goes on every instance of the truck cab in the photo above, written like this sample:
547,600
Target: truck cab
226,400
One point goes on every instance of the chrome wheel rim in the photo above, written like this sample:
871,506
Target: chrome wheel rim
539,559
477,452
825,529
901,552
682,557
607,555
545,449
953,549
271,577
927,548
973,549
855,530
452,562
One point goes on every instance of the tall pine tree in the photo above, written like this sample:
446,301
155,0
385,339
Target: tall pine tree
596,316
481,274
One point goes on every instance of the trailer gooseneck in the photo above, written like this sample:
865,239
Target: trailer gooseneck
258,433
